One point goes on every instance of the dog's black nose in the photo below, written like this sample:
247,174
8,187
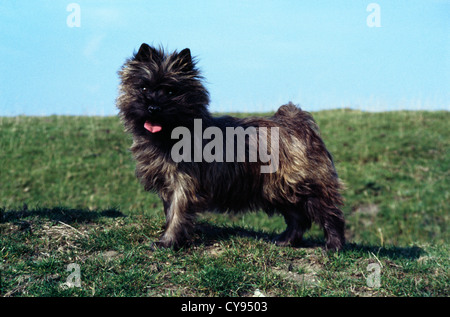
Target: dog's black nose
153,108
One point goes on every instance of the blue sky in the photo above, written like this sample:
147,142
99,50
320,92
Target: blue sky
255,55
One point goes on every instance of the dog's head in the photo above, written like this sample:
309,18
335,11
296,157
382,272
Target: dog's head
160,91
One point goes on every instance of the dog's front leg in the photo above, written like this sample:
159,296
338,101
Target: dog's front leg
179,220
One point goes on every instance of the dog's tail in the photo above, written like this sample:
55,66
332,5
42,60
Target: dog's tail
289,111
294,117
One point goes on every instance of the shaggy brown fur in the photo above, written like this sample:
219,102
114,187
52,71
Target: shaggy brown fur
160,92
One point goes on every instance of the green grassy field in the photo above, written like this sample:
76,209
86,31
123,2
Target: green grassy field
68,194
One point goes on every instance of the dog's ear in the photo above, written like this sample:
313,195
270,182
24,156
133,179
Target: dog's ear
146,53
185,55
184,59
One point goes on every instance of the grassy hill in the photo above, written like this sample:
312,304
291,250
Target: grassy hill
68,194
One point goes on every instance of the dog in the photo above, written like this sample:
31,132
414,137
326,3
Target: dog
280,163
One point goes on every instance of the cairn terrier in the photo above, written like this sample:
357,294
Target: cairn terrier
162,98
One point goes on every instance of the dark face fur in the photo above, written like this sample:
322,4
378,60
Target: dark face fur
160,92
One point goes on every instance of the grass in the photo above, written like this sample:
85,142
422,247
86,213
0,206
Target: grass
68,195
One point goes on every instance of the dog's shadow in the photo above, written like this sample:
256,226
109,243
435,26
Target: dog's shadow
205,233
63,214
208,234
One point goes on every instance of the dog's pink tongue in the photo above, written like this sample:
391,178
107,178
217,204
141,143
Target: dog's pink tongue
152,127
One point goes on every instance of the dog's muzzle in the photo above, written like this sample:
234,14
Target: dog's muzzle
153,109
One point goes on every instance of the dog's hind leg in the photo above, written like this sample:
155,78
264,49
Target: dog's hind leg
331,219
334,227
297,222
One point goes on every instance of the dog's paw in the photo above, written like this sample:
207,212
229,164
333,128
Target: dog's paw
288,239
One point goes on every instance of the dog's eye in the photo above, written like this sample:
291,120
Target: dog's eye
169,91
144,89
